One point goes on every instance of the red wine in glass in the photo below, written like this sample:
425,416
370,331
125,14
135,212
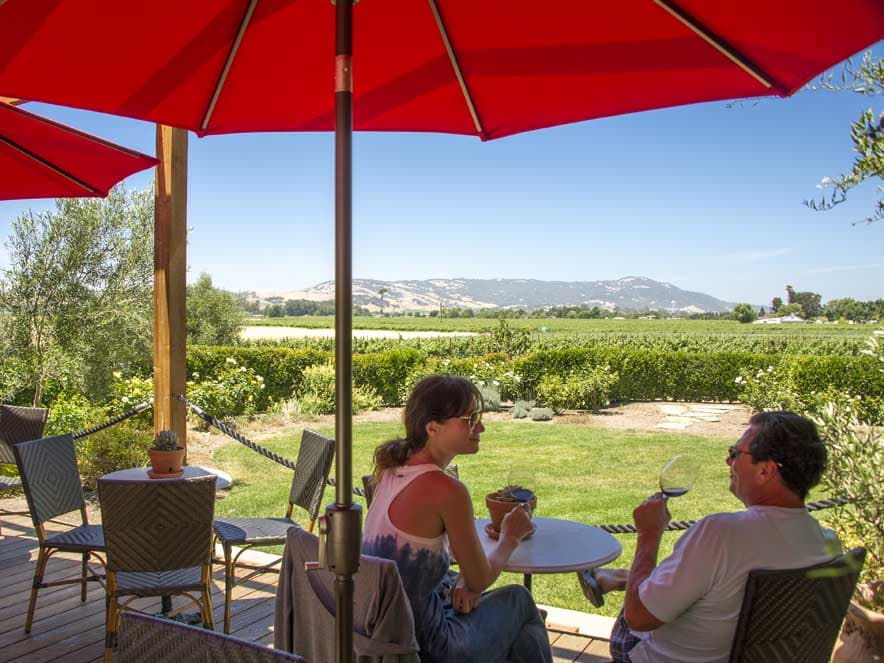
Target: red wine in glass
678,476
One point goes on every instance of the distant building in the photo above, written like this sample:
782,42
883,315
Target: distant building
778,321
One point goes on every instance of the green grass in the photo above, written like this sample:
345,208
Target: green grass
589,475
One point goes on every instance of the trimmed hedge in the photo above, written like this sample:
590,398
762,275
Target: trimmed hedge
649,375
642,374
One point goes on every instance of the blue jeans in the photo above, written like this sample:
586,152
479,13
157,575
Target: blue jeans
505,628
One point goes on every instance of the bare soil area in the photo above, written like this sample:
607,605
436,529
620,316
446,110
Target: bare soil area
732,420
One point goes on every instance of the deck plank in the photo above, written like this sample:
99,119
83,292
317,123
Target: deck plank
73,631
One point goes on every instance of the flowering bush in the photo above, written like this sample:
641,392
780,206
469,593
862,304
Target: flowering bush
234,390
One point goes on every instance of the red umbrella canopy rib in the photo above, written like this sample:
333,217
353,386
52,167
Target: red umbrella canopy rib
40,158
225,66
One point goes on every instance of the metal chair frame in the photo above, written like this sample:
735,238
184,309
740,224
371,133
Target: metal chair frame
48,499
794,615
137,552
17,424
320,450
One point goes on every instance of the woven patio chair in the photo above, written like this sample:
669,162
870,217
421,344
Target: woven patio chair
145,639
17,424
159,543
310,477
368,483
51,481
794,616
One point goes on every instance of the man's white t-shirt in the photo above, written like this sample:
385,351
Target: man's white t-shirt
698,590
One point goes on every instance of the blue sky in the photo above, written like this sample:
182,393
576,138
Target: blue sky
706,197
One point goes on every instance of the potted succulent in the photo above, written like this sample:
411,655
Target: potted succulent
502,501
166,456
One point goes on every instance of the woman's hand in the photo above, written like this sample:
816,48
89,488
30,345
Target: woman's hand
516,524
463,600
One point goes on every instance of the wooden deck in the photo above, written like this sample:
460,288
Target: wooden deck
65,629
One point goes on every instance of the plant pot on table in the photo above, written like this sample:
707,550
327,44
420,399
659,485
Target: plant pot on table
498,507
166,464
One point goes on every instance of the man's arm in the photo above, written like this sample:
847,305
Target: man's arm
651,518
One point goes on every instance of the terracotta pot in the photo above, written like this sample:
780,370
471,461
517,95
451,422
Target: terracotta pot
498,508
165,464
862,636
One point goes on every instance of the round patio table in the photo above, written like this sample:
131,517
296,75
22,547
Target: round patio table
557,546
222,479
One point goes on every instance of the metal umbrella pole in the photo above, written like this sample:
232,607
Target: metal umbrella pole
343,524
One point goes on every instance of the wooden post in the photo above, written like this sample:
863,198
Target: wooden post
170,284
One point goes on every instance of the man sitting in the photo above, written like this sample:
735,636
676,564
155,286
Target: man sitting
685,609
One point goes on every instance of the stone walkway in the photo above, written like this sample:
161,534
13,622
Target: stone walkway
679,416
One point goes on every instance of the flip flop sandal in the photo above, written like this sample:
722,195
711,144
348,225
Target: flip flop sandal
590,587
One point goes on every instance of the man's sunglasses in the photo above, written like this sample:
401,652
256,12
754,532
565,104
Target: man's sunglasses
733,452
474,418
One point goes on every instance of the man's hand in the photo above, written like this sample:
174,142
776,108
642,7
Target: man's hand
462,599
651,517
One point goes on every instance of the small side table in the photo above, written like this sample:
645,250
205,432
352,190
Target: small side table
222,479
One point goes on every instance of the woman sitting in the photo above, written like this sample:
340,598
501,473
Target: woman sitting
418,511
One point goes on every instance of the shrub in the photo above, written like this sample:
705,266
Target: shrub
71,413
385,373
114,448
318,395
490,396
541,414
522,409
233,391
586,389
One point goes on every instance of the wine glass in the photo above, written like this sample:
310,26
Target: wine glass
523,479
678,476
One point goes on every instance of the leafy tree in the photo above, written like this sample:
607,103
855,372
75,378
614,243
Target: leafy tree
761,311
214,317
809,302
867,134
789,309
76,298
382,292
775,304
744,313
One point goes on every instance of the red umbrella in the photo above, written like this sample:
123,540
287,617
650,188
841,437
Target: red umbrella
490,68
40,158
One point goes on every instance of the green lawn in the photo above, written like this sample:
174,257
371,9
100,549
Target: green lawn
585,474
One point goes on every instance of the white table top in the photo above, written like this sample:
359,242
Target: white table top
558,546
223,480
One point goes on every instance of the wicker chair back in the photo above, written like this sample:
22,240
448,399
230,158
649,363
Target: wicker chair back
50,476
19,424
794,616
315,457
145,639
154,526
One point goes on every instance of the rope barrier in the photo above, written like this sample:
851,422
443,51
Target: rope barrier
114,421
242,439
680,525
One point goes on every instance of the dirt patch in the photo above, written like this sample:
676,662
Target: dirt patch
731,421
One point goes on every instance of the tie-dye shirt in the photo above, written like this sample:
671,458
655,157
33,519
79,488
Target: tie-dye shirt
423,563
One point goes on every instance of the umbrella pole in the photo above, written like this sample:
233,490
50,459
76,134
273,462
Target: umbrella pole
343,518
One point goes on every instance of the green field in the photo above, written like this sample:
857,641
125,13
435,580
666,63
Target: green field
589,475
581,326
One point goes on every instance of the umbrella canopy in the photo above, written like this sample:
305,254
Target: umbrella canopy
40,158
490,68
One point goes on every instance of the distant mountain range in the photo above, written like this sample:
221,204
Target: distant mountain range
629,293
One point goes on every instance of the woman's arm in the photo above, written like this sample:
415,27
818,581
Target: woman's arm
479,571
